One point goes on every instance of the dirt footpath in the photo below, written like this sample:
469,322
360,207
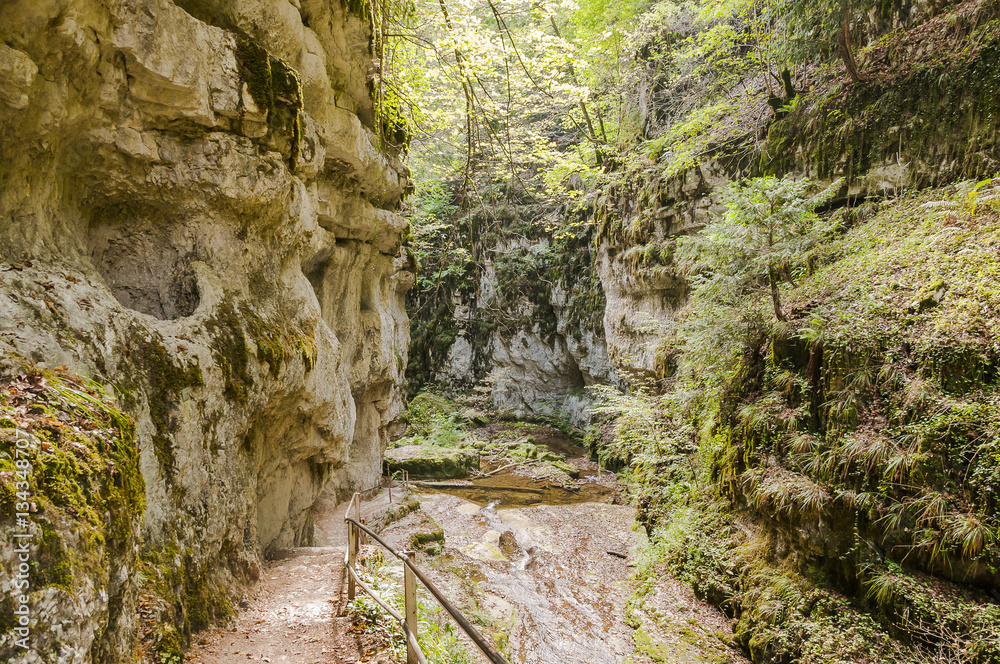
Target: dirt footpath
294,614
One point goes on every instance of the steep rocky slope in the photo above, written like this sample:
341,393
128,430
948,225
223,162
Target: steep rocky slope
196,212
853,442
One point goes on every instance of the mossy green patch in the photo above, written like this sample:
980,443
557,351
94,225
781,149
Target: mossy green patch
231,353
426,539
183,599
165,380
286,114
206,605
276,89
277,343
72,463
255,70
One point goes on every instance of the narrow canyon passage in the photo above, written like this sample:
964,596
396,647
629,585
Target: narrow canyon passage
675,320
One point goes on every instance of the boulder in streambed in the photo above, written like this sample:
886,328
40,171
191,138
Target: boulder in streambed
432,461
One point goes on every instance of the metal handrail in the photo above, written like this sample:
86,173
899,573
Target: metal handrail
411,638
414,654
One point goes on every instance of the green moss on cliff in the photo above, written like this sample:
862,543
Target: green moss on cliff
276,89
941,112
276,344
231,353
164,381
75,472
286,114
255,70
178,600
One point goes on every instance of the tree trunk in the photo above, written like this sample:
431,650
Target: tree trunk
844,45
775,298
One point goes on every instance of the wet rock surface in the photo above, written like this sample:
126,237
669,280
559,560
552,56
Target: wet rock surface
562,596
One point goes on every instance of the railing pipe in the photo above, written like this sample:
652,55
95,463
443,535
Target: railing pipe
411,572
352,553
466,626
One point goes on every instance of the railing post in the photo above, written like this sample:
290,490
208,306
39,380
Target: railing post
352,557
410,600
359,535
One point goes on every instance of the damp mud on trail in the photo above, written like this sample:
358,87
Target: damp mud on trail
551,569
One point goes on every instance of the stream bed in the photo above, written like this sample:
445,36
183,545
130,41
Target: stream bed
553,577
546,562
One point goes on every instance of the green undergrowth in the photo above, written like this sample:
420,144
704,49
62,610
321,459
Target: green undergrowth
76,477
877,405
784,606
437,635
831,481
433,420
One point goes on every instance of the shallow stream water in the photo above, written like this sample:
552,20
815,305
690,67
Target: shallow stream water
507,490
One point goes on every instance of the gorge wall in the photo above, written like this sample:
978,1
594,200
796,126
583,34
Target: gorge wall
525,319
835,473
830,432
196,213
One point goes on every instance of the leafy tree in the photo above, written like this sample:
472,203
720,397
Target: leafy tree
765,236
814,26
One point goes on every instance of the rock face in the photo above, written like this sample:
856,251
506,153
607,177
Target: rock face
644,296
193,209
875,138
430,461
522,329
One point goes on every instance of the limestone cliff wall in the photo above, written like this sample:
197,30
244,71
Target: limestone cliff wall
527,326
194,209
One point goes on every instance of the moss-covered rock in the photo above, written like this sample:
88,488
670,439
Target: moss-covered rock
72,498
431,461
